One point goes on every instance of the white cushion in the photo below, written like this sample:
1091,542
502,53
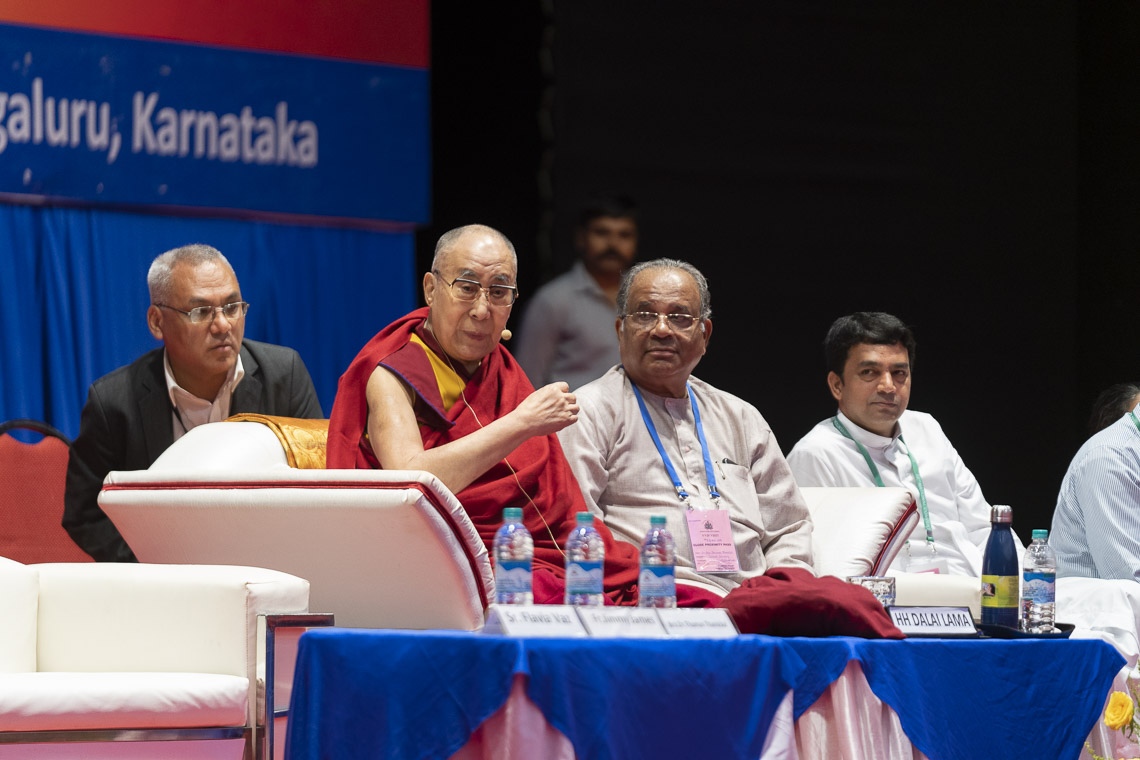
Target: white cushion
939,590
90,701
19,599
223,446
1103,608
858,531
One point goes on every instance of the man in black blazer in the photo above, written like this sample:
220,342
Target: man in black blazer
205,372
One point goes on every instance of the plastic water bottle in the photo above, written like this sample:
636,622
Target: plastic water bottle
514,558
657,584
1038,585
585,563
1000,573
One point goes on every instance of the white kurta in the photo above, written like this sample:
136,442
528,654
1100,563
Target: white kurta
959,513
624,480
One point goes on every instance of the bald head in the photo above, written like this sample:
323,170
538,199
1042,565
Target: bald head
451,239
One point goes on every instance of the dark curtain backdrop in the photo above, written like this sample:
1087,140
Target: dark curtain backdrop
969,166
815,159
73,296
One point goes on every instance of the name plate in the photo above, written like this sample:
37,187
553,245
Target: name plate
698,623
622,622
534,621
934,621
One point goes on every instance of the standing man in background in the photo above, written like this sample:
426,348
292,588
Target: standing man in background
566,333
204,373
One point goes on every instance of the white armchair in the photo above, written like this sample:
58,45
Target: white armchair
113,660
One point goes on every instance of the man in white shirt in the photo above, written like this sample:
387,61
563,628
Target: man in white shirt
875,440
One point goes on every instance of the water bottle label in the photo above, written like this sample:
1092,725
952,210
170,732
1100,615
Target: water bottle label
1039,588
584,578
1000,591
512,577
657,581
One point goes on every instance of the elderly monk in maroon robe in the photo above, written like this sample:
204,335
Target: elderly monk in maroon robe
435,391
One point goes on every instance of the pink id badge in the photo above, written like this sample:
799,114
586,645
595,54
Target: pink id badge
710,536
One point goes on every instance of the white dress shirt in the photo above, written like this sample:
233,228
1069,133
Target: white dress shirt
189,411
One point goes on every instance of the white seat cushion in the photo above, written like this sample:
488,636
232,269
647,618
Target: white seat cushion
90,701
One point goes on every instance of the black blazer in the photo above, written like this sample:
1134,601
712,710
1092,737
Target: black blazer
127,423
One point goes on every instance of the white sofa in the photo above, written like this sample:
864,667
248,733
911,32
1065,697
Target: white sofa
136,660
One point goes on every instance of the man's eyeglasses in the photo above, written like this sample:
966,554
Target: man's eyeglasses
468,290
647,320
231,311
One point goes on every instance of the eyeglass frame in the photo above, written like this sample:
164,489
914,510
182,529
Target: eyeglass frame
485,291
668,320
211,311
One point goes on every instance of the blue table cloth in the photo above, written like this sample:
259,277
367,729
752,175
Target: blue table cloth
399,694
959,699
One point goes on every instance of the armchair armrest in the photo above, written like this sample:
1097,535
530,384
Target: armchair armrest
19,600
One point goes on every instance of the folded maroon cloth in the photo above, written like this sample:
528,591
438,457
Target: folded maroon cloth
790,601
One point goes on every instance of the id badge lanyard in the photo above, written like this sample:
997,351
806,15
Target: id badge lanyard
879,480
710,476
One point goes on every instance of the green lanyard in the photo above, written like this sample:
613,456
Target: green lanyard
913,468
1133,416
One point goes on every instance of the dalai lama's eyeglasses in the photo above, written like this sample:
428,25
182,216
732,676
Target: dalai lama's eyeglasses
468,290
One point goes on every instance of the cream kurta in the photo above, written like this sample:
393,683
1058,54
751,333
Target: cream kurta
625,482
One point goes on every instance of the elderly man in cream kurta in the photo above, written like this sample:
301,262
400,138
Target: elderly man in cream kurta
718,447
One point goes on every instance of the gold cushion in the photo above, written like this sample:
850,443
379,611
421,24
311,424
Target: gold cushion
303,440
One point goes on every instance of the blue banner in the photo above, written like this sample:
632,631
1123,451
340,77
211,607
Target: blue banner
132,122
